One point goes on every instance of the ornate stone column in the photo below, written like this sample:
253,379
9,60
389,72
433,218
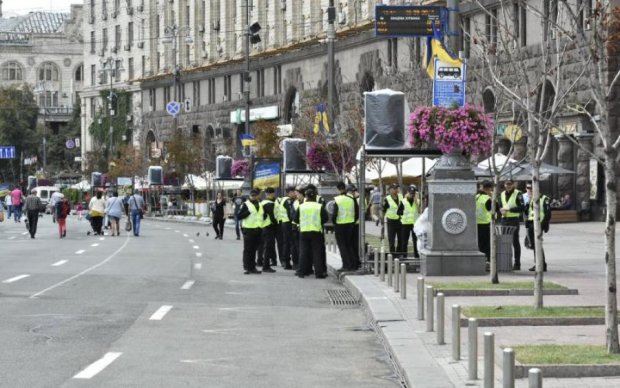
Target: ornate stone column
582,194
452,247
565,160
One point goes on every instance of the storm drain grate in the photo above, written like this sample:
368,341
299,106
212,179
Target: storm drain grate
341,298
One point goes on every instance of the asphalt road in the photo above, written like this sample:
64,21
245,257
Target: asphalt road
169,309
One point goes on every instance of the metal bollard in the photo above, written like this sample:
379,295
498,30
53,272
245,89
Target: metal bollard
403,281
420,298
389,269
396,274
429,308
508,368
440,319
535,378
382,266
376,262
456,332
489,357
472,349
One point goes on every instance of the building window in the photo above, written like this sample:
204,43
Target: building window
143,66
93,107
196,93
211,94
520,28
152,102
130,73
12,71
277,79
104,8
228,88
93,75
117,37
550,10
260,83
393,53
117,6
491,27
166,96
117,72
48,99
48,72
130,34
93,47
92,10
105,39
79,73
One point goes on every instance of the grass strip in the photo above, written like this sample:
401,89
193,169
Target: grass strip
531,312
564,354
487,285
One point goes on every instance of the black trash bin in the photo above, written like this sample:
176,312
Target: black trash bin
504,247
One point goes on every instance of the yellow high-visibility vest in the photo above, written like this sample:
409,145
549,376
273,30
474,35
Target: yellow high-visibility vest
256,217
512,202
310,217
346,209
483,216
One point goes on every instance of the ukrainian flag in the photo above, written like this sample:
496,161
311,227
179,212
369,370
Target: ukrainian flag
435,49
320,119
248,140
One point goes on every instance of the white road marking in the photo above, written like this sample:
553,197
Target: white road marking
16,278
169,229
101,238
191,241
188,284
198,254
87,270
98,365
160,313
24,233
80,251
12,238
59,263
94,245
184,235
196,247
198,266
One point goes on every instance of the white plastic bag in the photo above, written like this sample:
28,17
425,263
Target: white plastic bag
420,228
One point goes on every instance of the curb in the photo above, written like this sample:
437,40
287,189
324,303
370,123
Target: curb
565,321
569,370
499,292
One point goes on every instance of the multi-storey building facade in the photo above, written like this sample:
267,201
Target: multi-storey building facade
194,50
44,50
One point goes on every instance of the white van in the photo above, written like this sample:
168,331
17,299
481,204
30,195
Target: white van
45,193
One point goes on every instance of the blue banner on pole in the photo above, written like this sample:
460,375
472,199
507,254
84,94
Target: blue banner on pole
7,152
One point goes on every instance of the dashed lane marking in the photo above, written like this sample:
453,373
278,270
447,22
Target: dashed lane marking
196,247
59,263
160,313
101,238
191,241
198,254
80,251
97,366
188,284
94,245
198,266
184,235
16,278
12,238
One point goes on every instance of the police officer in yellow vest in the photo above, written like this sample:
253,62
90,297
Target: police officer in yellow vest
344,215
252,217
390,209
409,211
300,196
512,207
483,217
269,231
284,238
311,216
545,216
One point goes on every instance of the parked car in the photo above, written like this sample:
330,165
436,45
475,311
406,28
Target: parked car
45,193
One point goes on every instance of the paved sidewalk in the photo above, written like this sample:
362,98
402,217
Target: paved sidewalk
575,255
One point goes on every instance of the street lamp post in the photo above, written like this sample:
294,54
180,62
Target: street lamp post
41,89
108,66
171,35
251,37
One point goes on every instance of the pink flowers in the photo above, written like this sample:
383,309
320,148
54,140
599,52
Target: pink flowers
240,167
331,157
467,128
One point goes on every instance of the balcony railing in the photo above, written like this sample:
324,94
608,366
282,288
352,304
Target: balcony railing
56,113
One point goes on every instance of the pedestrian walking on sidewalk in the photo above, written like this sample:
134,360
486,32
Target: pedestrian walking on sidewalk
252,217
32,207
345,211
409,211
511,211
311,217
390,209
545,217
218,217
61,210
269,231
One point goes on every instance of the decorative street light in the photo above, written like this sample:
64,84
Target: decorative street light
112,68
41,90
172,33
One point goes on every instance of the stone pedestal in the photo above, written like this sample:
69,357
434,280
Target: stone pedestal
452,247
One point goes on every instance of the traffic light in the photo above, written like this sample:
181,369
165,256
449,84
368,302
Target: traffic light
113,104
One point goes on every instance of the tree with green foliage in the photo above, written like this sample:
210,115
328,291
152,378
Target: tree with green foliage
59,157
18,123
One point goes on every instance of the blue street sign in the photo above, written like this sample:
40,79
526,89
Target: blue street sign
173,108
70,144
7,152
449,84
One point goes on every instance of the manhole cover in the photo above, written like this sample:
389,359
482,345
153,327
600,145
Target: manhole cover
341,298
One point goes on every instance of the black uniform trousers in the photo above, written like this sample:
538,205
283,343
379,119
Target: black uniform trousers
393,229
516,244
406,230
294,244
285,240
484,240
33,219
269,246
251,241
530,235
344,239
311,249
356,244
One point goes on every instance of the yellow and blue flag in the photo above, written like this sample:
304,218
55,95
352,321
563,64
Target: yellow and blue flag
247,140
320,119
435,49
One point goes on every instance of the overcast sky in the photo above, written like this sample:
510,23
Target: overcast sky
20,7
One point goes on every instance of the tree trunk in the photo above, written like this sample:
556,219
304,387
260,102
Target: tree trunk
611,308
538,240
493,253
